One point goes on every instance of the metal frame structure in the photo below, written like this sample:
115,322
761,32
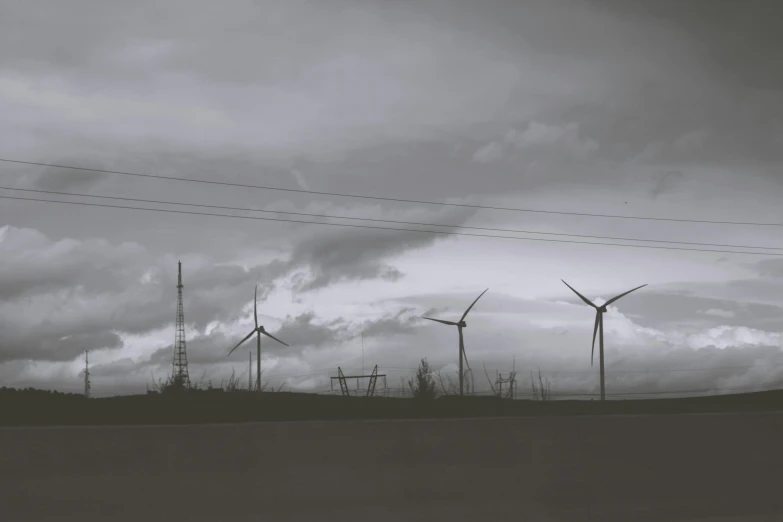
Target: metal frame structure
341,377
511,380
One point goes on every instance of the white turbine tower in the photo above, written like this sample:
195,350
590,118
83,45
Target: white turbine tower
258,330
599,327
460,325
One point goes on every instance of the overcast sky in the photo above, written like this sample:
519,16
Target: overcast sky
656,108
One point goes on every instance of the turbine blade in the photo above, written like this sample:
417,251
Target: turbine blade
586,300
248,336
255,305
613,299
595,331
471,305
272,337
441,321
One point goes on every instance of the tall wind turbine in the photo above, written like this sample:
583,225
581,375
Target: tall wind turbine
460,325
258,330
599,327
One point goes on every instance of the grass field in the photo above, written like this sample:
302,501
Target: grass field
31,407
556,468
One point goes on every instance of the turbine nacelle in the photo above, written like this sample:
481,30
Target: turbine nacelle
461,323
262,330
599,320
258,330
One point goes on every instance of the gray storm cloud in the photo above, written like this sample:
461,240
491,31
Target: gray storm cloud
570,105
359,254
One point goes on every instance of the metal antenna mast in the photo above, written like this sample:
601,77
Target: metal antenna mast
86,374
180,354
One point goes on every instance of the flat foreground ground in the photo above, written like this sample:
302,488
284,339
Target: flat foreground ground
603,469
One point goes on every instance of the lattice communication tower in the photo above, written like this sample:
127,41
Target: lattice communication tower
180,372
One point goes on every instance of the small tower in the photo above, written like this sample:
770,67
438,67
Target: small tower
180,373
86,374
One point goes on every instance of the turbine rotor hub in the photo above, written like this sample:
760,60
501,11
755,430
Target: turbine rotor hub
463,324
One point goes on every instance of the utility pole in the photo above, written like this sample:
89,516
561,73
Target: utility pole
86,374
258,363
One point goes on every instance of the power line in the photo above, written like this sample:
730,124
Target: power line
379,198
576,393
396,222
663,392
544,372
671,370
712,391
441,232
675,370
615,372
643,393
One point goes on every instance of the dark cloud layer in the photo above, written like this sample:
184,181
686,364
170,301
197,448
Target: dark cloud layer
355,256
732,35
667,181
437,100
405,321
302,332
305,331
49,344
63,180
71,295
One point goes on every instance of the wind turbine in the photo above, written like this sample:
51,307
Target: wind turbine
460,325
258,330
599,326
